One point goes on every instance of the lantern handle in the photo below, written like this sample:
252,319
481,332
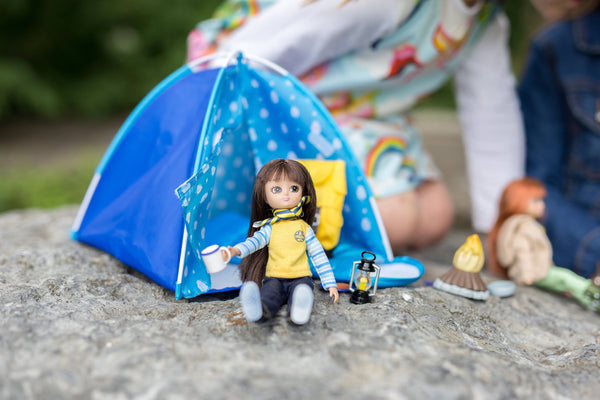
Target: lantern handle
362,255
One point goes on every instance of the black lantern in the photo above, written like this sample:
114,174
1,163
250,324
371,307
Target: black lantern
361,284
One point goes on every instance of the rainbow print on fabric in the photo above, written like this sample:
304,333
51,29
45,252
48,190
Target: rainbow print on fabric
386,145
253,7
235,13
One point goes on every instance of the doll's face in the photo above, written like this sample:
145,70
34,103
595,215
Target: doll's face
536,207
283,193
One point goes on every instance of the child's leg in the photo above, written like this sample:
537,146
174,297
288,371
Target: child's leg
415,206
564,280
417,218
436,213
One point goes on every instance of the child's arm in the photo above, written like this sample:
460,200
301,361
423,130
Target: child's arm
321,263
492,128
298,36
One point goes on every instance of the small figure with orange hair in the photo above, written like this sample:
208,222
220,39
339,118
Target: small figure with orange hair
519,248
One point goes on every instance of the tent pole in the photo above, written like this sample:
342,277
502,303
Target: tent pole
181,264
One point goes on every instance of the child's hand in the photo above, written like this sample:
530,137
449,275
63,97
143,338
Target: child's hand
333,292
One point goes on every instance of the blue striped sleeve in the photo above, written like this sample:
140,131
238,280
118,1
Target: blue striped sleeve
255,242
319,259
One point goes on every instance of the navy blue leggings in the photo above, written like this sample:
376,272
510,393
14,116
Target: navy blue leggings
275,292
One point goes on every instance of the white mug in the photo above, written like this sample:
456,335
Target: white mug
212,258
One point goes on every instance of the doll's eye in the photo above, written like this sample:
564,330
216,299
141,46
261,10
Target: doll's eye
276,189
294,188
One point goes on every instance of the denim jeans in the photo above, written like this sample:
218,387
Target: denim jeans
275,292
560,100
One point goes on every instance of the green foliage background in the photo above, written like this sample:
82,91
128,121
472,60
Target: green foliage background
89,57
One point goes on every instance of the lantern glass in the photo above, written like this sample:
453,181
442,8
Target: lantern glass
363,281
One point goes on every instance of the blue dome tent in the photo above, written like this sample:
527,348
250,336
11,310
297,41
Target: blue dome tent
178,175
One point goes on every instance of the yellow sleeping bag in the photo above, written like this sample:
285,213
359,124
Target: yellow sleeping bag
329,178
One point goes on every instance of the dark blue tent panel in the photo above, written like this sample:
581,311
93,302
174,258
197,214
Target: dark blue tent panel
133,213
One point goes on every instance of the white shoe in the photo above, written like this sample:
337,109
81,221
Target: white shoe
250,299
302,302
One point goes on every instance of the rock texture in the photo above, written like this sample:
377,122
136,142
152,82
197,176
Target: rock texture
78,324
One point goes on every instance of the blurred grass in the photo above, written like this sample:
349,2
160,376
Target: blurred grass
56,184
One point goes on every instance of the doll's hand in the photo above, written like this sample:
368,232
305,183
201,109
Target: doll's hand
333,292
234,252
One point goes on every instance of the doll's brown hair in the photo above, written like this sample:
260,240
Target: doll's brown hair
514,200
253,267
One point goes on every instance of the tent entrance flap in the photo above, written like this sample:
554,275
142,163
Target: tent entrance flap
216,208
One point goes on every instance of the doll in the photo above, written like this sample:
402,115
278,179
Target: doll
519,248
274,266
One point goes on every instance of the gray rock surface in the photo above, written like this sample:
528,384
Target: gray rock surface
78,324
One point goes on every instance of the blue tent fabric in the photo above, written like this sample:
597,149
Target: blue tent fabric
133,208
204,135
